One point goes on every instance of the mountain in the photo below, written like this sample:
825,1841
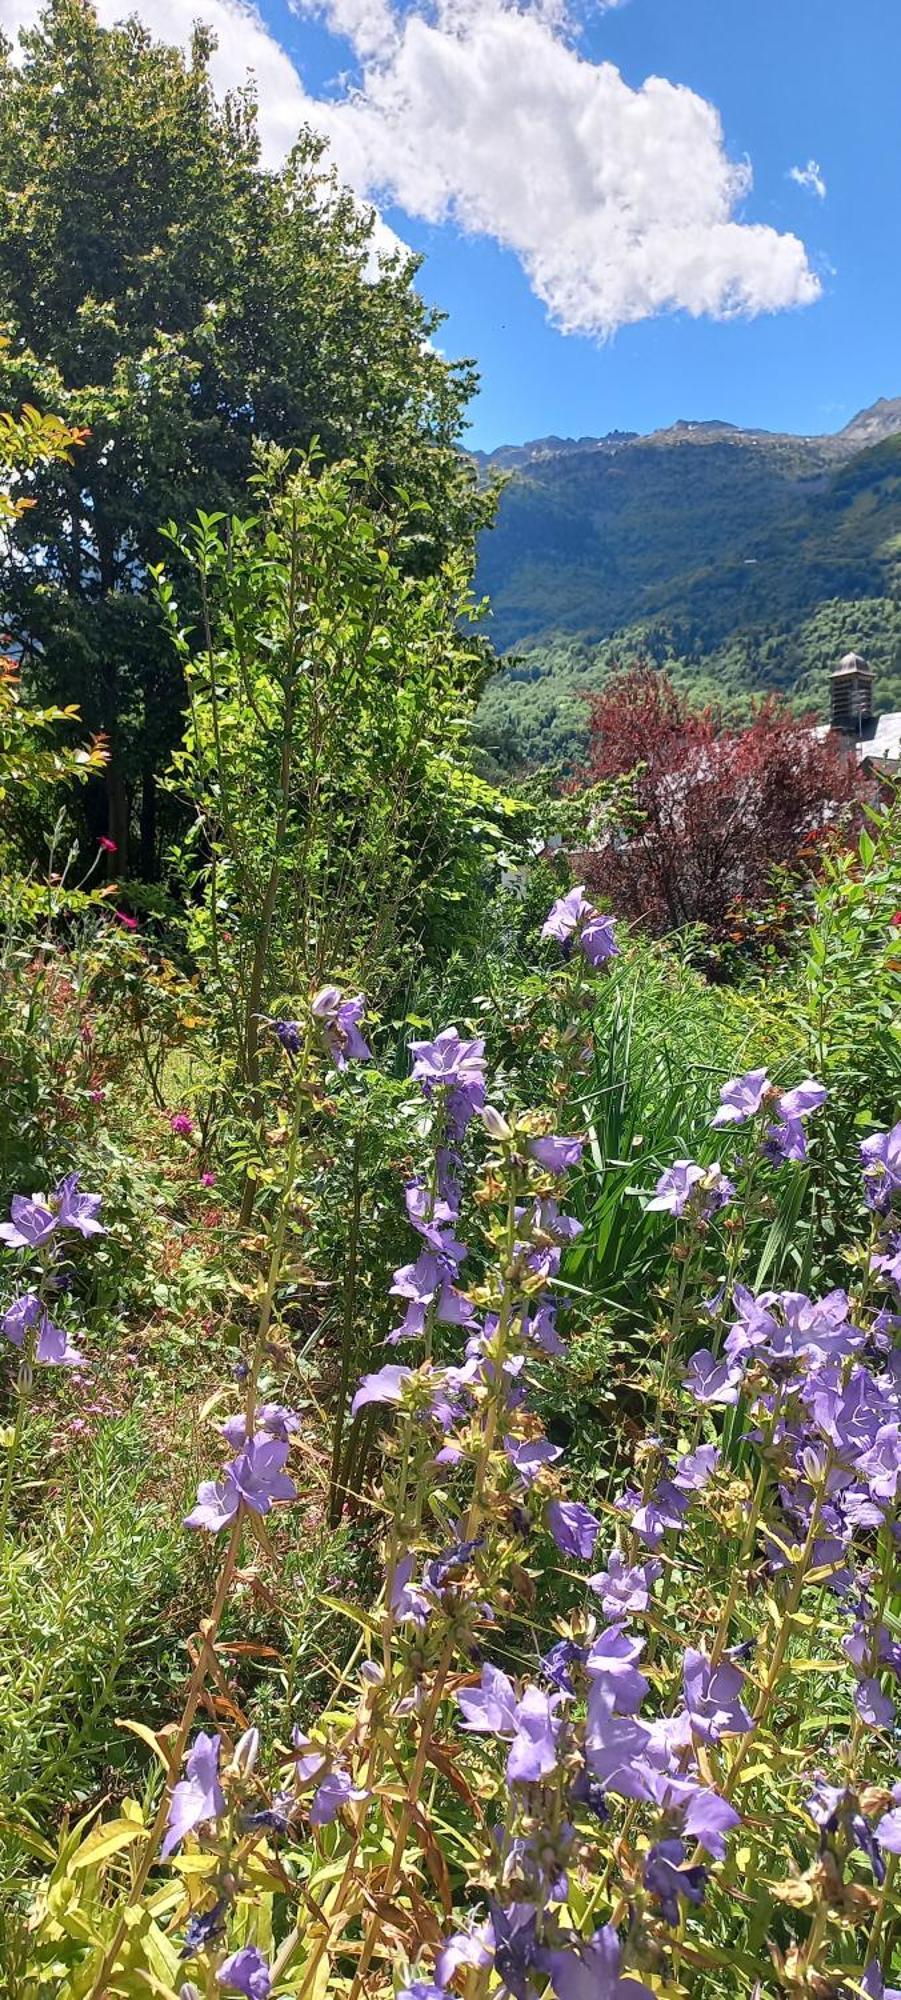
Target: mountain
744,560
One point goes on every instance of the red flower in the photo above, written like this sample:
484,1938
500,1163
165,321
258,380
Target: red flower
896,920
130,923
109,846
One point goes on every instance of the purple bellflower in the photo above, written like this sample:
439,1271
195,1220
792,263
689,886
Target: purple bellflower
386,1386
340,1020
741,1098
52,1347
256,1477
881,1157
713,1697
556,1154
247,1972
198,1796
574,1528
590,1969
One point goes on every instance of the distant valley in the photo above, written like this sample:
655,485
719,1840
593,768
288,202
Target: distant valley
746,561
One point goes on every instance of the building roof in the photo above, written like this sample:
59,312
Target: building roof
876,740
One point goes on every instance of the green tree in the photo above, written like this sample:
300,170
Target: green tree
162,290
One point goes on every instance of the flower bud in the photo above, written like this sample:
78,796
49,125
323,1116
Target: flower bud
495,1124
188,1991
247,1751
25,1378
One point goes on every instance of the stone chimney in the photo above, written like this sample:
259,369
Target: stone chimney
851,694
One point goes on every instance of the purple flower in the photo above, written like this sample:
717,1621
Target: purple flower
474,1947
335,1791
685,1184
422,1989
589,1969
741,1098
52,1347
246,1972
565,914
272,1419
32,1223
408,1600
881,1156
556,1662
804,1098
490,1709
615,1746
181,1124
556,1154
694,1470
528,1455
708,1819
290,1034
667,1876
386,1386
874,1987
612,1662
624,1590
574,1528
340,1020
712,1381
873,1707
786,1140
713,1697
256,1477
76,1210
888,1828
450,1061
598,940
198,1796
533,1752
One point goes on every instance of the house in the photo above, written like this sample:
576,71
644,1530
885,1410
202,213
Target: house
875,739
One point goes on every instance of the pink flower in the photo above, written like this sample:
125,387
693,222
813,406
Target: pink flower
128,923
181,1124
108,846
207,1180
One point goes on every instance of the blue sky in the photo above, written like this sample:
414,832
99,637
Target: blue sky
613,252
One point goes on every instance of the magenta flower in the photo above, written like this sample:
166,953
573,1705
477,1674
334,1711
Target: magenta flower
246,1972
181,1124
198,1797
108,846
741,1098
256,1478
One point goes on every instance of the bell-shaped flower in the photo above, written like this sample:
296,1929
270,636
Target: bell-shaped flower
198,1797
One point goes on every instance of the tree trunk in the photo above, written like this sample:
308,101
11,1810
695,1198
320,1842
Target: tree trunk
148,826
117,812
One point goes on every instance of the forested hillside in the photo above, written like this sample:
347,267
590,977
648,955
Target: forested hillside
746,561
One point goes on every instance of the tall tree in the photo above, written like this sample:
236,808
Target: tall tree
162,289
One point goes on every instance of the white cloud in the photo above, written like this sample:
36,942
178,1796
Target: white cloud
809,177
620,203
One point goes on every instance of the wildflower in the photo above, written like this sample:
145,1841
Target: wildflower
203,1928
574,1528
685,1184
741,1098
198,1796
255,1477
207,1180
712,1381
52,1347
556,1662
181,1124
532,1722
128,923
32,1223
246,1972
290,1034
335,1791
340,1019
528,1455
611,1663
881,1156
556,1154
385,1386
590,1969
474,1947
713,1697
872,1705
622,1589
565,914
708,1819
667,1877
458,1067
888,1828
77,1210
517,1952
598,940
108,846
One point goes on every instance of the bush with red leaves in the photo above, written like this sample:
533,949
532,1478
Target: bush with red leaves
715,807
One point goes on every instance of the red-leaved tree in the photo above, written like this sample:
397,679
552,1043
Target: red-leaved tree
713,807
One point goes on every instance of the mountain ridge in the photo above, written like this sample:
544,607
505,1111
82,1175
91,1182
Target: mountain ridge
727,554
